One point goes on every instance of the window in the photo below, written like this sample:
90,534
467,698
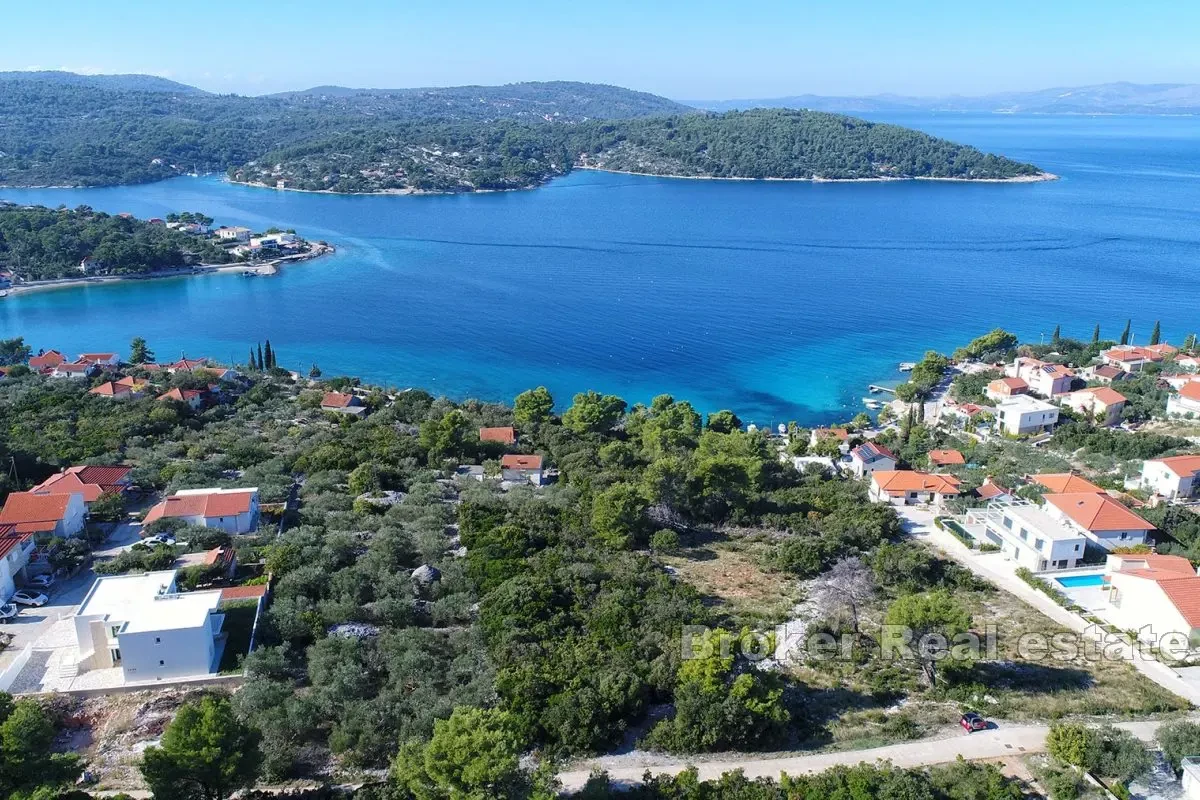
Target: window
162,663
1076,548
1024,535
1039,543
1124,535
157,640
115,630
1008,523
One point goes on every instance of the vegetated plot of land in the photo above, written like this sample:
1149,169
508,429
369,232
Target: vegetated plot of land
729,571
867,700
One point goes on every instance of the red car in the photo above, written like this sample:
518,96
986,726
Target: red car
972,722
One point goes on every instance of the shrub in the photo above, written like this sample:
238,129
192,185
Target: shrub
664,541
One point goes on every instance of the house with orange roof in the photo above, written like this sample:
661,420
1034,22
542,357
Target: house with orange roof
870,457
1175,478
821,434
1005,387
505,435
343,403
1103,404
1106,522
1064,482
1045,379
990,490
124,389
1153,594
1131,358
1104,373
911,487
61,515
99,359
15,550
74,371
946,458
1185,402
90,481
230,510
222,560
186,364
192,398
46,361
522,468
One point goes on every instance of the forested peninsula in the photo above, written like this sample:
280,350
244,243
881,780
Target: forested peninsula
83,133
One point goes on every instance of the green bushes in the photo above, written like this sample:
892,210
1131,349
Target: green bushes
1044,586
139,558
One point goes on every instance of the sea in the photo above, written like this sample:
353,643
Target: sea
778,300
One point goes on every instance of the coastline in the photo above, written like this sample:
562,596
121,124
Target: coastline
265,268
1039,178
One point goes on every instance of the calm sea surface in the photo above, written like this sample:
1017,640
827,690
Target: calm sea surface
778,300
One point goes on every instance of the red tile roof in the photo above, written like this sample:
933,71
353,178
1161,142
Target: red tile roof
10,538
1182,466
337,400
219,555
899,482
1097,512
34,513
945,458
870,451
188,364
94,358
50,358
989,490
1184,594
215,504
1065,482
243,592
1011,384
502,435
836,433
181,395
1190,390
521,462
1173,565
111,389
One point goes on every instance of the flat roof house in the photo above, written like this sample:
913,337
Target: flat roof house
1027,535
61,515
909,487
1099,517
230,510
517,468
870,457
153,632
89,481
1101,403
1174,478
234,233
1021,415
504,435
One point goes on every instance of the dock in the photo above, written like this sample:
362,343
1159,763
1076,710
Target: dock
875,388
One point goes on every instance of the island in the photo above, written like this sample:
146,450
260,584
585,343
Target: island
47,247
459,139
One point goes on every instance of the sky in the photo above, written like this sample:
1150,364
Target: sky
697,50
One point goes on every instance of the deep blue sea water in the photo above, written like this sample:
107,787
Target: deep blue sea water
778,300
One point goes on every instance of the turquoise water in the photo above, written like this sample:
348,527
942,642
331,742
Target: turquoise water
778,300
1079,581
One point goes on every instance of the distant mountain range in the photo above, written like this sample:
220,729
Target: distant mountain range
1104,98
128,83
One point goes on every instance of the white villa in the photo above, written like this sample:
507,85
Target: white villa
1153,594
141,624
1186,401
231,510
869,457
1175,478
1044,379
1021,414
1027,535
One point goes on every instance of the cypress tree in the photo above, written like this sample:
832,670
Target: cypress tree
1156,334
252,363
270,355
259,365
1125,333
1056,337
1189,343
1096,333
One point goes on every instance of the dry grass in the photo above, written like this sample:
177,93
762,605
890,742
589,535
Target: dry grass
730,573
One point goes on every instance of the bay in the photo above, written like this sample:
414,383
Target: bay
779,300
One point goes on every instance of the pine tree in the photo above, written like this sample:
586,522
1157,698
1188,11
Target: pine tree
315,372
1156,334
259,365
1096,334
270,355
1056,337
1125,333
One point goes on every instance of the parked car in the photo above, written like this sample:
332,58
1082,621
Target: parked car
42,581
161,538
8,611
972,722
28,597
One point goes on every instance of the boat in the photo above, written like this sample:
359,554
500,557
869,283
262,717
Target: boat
872,403
874,389
907,366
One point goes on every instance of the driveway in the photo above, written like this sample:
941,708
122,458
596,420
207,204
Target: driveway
1002,741
124,536
31,623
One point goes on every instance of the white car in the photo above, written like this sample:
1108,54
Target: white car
161,538
43,581
27,597
8,611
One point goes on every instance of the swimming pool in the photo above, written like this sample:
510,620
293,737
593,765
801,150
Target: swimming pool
1080,581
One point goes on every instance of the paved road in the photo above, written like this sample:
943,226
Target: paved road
33,622
1002,741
